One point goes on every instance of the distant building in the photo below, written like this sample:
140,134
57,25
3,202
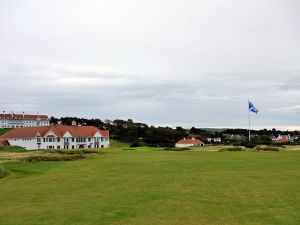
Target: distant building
12,120
282,138
57,137
214,140
234,137
188,142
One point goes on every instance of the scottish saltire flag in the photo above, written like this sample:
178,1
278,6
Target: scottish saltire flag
252,107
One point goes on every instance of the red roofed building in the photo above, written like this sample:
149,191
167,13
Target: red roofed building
57,137
11,120
282,138
188,142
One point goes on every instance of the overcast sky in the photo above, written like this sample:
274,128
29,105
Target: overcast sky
164,62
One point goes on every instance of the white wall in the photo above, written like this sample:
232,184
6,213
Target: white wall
31,143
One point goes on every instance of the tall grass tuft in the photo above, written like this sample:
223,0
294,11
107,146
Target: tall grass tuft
176,149
52,157
3,172
268,148
232,149
73,151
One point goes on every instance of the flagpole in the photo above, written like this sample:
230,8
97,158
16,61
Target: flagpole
249,122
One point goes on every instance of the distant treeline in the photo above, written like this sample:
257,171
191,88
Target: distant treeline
143,134
129,131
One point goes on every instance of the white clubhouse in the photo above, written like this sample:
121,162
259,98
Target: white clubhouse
57,137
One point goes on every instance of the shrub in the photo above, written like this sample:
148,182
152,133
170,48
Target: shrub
37,158
268,148
233,149
250,145
128,149
135,145
73,151
176,149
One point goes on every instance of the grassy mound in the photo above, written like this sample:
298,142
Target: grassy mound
73,151
268,148
52,157
176,149
232,149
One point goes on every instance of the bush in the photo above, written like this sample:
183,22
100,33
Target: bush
135,145
38,158
268,148
250,145
233,149
3,172
73,151
176,149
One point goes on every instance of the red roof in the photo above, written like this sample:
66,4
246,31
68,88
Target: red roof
282,140
190,141
23,117
59,131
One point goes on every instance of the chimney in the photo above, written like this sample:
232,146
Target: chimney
23,114
73,123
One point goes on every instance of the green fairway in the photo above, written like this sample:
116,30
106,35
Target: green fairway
147,186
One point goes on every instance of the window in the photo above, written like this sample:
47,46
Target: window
73,147
72,139
89,139
58,139
58,147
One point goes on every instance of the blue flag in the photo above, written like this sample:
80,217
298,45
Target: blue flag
252,107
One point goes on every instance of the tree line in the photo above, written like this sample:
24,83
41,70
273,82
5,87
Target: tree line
143,134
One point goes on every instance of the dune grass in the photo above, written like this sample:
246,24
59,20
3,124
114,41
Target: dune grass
148,186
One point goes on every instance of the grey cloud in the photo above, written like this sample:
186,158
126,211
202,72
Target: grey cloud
162,62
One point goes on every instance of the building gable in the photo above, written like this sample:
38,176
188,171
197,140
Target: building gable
67,134
50,133
97,134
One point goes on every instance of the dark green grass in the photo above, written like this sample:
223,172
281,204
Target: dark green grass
146,187
4,130
12,149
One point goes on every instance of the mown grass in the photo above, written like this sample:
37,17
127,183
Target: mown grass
151,186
